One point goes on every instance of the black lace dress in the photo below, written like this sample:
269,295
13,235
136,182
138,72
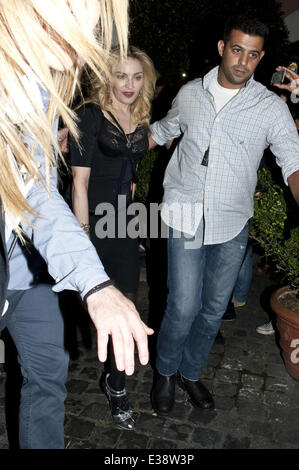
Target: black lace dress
112,157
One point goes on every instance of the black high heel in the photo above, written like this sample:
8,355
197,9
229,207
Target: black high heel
121,412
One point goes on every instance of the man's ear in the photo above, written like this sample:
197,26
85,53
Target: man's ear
221,47
262,55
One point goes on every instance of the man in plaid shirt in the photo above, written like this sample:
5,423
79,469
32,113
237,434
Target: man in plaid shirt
227,120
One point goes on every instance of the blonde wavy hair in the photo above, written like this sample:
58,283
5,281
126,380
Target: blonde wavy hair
25,26
100,93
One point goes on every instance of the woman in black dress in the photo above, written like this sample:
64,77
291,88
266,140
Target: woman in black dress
114,125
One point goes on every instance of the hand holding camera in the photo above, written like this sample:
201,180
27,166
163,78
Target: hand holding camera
289,73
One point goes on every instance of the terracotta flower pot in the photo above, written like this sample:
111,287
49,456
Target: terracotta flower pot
288,326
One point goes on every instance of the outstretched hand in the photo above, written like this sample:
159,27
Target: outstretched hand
293,77
113,314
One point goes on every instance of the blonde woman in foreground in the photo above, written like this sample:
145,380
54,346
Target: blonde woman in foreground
43,45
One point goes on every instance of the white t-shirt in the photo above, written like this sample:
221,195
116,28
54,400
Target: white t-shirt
221,95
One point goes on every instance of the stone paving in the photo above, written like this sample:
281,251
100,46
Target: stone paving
257,402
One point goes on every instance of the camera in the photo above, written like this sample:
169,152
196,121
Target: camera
278,77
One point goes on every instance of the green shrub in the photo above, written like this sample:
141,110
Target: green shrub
268,228
145,168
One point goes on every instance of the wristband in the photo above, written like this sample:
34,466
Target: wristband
98,287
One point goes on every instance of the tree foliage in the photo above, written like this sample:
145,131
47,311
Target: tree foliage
162,29
145,169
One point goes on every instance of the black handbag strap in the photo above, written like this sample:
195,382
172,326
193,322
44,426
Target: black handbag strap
12,246
14,242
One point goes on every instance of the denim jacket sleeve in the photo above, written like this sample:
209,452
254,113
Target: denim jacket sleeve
57,236
70,256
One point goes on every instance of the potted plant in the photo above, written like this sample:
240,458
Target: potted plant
272,228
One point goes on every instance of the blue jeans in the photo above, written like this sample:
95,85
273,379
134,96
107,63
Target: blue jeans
200,283
244,277
36,325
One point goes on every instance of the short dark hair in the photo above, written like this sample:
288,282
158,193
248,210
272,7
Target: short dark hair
248,25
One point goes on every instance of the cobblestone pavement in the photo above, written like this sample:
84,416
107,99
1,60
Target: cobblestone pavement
257,402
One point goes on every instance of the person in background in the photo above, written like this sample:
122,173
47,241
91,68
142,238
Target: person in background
241,288
243,280
114,125
44,44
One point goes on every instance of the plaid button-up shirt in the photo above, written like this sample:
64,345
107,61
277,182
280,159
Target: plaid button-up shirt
254,119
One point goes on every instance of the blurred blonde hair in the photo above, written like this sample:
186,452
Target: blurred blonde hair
141,108
25,26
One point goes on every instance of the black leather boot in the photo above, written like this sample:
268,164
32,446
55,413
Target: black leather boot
199,395
163,393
